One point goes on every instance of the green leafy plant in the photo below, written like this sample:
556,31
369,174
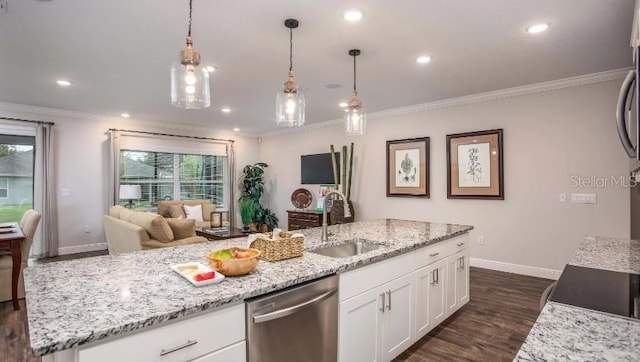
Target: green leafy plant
252,181
252,189
247,210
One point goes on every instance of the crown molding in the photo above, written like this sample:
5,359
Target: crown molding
164,126
474,98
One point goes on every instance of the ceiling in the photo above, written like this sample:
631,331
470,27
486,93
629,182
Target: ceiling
118,53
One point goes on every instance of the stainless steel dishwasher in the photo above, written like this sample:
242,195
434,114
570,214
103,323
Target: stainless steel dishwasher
295,324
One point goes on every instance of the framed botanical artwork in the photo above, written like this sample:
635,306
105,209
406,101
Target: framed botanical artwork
474,165
408,167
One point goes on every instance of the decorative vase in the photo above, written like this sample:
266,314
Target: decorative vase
337,213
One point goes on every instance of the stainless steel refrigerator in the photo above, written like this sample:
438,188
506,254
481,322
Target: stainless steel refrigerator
628,123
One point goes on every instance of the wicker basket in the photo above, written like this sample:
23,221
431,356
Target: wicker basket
285,247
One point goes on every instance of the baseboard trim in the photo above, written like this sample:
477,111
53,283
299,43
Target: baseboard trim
65,250
516,268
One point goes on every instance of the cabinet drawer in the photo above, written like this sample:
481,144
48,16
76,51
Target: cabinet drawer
234,353
179,341
433,253
362,279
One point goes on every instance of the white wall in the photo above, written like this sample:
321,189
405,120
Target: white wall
81,153
548,137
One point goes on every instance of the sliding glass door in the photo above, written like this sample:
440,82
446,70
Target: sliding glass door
16,176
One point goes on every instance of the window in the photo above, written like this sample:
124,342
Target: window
4,188
173,176
16,173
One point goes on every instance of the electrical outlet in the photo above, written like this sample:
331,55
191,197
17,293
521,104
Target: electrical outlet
481,240
64,192
87,229
3,6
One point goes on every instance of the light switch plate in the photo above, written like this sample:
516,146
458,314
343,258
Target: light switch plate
583,198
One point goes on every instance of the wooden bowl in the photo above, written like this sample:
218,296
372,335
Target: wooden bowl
235,267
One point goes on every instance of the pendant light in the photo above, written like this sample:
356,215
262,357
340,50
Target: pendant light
189,82
290,102
355,118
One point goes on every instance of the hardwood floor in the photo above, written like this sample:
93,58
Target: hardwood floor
491,327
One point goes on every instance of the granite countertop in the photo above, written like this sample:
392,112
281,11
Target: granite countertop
79,301
620,255
569,333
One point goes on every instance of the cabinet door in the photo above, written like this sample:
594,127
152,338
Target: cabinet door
453,265
360,327
462,278
423,287
398,315
437,292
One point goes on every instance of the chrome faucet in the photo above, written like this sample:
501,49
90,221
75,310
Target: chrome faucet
347,212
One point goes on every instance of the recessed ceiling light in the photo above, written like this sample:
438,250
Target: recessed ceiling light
211,68
64,83
352,15
343,104
423,59
537,28
125,115
236,129
226,110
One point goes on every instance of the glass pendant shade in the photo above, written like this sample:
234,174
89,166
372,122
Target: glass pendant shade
355,121
290,109
189,86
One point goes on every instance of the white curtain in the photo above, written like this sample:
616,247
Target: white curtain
44,193
114,166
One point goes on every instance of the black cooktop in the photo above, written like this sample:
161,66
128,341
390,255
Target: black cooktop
602,290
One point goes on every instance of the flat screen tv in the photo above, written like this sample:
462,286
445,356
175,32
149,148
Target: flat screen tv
317,169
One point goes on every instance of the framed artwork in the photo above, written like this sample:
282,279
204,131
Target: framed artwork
475,166
408,167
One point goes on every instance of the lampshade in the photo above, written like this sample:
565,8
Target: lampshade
355,118
189,86
130,192
290,101
189,82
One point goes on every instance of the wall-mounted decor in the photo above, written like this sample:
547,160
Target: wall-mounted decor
408,167
474,162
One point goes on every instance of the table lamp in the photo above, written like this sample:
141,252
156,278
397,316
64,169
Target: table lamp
130,192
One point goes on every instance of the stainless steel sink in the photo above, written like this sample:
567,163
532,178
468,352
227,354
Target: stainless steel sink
348,248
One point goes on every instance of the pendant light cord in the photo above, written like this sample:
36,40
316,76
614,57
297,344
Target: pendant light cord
290,49
190,9
354,74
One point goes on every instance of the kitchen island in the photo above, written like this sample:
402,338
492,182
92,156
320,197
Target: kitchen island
564,332
80,302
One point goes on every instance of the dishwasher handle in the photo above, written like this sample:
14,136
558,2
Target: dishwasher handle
293,309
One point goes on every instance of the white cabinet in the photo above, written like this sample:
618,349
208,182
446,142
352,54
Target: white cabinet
360,327
377,325
431,297
457,281
234,353
195,337
398,333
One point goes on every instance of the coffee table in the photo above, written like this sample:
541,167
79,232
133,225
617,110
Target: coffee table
220,233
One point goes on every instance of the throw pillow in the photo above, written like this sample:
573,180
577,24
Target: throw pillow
193,212
154,224
182,228
207,209
176,211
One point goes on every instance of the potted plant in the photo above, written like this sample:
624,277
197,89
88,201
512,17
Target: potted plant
252,188
247,212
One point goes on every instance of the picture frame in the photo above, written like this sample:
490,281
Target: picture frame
475,167
408,167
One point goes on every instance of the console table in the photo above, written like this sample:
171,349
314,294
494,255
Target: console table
304,219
